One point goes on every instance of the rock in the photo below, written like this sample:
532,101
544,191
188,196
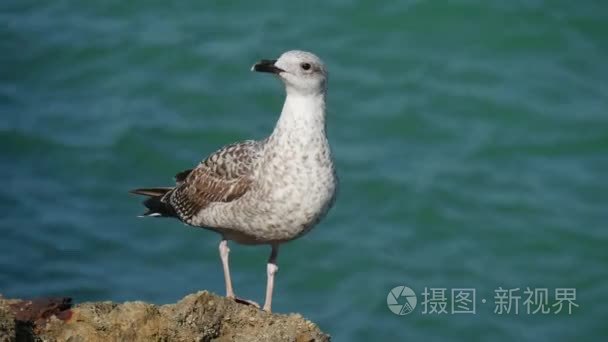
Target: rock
201,316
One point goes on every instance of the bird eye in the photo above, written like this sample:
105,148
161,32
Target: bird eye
305,66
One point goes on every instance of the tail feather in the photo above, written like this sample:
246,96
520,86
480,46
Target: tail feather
156,207
151,191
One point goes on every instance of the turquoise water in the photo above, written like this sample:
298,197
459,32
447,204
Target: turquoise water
471,139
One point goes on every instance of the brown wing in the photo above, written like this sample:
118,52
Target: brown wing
224,176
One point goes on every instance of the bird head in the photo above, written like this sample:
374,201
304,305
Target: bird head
303,73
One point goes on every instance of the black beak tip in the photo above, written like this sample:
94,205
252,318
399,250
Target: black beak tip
266,65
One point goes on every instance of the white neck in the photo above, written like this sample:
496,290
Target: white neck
302,117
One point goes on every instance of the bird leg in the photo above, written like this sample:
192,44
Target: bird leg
271,269
224,251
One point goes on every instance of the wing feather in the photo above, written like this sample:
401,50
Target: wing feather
224,176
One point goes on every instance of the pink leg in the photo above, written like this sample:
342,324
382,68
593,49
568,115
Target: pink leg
224,251
271,269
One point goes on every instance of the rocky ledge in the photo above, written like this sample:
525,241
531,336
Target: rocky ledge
201,316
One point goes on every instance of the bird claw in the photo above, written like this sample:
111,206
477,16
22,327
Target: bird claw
246,302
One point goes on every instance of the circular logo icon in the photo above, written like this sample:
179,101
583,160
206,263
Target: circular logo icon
401,300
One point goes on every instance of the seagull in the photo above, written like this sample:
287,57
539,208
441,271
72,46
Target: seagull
262,192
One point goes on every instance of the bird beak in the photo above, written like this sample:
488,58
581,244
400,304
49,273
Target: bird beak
267,65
